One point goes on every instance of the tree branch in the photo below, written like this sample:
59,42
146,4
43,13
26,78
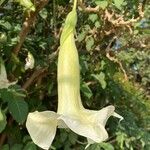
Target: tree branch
35,75
28,23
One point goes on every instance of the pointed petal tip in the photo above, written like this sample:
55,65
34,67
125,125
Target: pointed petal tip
118,116
87,146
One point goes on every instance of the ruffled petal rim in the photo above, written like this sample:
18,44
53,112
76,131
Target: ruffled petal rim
91,130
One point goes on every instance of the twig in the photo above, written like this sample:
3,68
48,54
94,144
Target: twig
118,62
119,18
115,59
119,21
88,9
2,139
28,23
35,74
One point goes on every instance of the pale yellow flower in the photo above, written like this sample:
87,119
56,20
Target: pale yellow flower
29,61
71,113
4,83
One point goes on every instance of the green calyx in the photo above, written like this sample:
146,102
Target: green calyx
70,24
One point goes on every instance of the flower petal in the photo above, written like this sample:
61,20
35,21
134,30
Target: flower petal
42,127
90,123
86,128
102,115
118,116
4,83
3,75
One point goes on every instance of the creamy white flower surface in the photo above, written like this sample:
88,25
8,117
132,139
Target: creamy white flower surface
71,113
4,83
29,61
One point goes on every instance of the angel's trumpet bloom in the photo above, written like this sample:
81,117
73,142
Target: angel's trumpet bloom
70,114
4,83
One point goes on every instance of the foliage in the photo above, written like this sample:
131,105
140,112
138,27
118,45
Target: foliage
110,34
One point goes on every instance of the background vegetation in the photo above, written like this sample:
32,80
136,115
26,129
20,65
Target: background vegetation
113,41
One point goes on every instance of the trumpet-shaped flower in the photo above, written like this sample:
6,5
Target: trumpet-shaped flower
71,113
4,83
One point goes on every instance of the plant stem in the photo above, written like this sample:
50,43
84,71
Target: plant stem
75,4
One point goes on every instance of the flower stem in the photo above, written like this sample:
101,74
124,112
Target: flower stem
75,4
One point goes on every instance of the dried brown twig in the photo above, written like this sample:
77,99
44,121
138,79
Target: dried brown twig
115,20
118,20
34,76
119,63
115,60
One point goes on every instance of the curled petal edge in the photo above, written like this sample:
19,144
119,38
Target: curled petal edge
42,127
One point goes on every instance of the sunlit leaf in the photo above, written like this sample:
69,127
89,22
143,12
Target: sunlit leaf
101,78
89,43
86,90
43,13
118,3
103,4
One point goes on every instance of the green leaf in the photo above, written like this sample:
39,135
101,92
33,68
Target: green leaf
27,4
102,4
43,13
5,24
121,138
118,3
30,146
101,78
97,24
106,146
93,17
5,95
72,137
5,147
16,147
81,36
3,121
1,2
94,147
14,96
63,136
26,139
86,90
103,63
83,65
18,108
89,43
